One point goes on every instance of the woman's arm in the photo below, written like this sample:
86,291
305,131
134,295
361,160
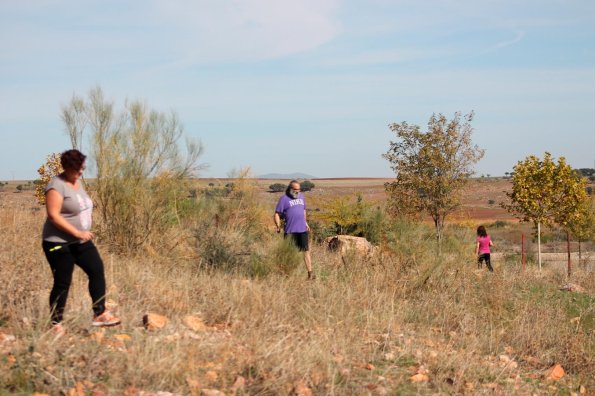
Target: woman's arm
477,248
53,205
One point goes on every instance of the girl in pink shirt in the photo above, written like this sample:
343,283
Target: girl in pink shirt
482,248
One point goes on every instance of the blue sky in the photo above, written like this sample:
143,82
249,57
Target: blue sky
309,85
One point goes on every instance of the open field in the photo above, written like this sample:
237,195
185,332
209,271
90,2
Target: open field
404,321
475,206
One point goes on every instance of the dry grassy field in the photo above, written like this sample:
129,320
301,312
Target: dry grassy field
403,321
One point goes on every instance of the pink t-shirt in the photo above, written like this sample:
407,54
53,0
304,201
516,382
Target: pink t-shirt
484,244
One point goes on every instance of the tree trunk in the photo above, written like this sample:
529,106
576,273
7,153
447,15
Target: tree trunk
580,256
568,250
539,244
523,257
439,226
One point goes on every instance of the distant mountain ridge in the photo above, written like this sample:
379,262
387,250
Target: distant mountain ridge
288,176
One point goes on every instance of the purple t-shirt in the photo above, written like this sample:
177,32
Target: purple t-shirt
294,211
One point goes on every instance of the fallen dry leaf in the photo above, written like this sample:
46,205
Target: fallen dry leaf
153,321
194,323
211,376
77,390
211,392
193,384
419,378
239,384
555,373
300,389
122,337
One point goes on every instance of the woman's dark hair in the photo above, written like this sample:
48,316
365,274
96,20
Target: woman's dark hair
72,160
287,190
481,231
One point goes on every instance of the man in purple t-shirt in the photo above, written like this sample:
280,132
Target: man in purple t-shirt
292,207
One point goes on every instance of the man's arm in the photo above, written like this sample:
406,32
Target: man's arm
277,220
306,220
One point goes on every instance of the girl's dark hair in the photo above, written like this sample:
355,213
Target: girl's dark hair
289,186
72,160
481,231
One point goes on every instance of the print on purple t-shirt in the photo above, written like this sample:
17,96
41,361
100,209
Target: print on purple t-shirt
294,211
484,244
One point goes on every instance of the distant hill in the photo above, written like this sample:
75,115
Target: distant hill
288,176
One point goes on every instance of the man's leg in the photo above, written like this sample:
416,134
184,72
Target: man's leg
308,261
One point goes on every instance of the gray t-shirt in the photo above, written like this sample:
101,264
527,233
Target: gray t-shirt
77,209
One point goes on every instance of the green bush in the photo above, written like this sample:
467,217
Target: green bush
306,185
277,187
282,259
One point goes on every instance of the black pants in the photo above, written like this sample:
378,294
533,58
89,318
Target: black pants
485,257
62,263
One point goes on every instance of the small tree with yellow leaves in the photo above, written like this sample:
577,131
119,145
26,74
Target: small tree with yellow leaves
52,167
545,193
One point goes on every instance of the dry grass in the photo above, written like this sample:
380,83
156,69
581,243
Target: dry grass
362,327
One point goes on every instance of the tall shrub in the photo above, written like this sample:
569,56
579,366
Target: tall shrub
141,169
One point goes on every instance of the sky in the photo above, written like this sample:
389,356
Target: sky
309,85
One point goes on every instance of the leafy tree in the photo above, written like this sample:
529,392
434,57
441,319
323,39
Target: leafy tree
306,185
277,187
52,167
431,167
586,172
545,193
582,227
344,214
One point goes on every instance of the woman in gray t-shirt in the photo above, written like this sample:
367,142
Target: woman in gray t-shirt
67,240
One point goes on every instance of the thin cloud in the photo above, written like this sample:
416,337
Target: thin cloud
238,31
508,43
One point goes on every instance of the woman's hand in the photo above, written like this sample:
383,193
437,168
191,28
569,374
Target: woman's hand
85,235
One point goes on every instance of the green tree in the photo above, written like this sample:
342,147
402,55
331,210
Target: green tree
582,227
306,185
277,187
340,212
431,167
544,193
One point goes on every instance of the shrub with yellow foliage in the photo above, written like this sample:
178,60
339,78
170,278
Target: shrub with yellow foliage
52,167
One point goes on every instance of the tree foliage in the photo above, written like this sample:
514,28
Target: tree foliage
52,167
277,187
431,167
306,185
546,193
583,225
344,214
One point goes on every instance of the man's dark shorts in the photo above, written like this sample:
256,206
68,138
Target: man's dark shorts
300,239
